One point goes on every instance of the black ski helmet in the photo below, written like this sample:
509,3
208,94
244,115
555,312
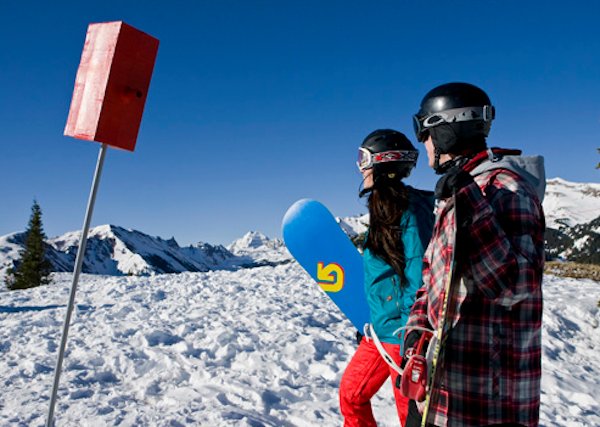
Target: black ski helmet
388,152
457,115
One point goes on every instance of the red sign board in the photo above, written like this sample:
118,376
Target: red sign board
112,84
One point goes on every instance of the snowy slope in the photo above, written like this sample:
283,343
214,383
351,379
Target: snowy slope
571,360
570,203
252,347
10,248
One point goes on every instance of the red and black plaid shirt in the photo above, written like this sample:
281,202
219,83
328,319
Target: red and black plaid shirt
491,368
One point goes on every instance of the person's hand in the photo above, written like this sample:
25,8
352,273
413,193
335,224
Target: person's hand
453,180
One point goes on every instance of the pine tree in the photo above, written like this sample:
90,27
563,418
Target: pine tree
33,269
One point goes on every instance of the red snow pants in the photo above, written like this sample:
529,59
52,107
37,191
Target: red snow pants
363,377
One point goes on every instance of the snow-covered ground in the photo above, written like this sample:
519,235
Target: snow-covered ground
254,347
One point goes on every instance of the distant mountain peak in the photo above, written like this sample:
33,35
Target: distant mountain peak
250,240
259,249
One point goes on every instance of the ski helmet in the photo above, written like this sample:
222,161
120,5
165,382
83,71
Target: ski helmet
388,152
457,115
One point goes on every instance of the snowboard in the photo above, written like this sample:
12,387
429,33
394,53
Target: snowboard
318,243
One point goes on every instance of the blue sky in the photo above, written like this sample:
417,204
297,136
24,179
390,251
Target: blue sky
256,104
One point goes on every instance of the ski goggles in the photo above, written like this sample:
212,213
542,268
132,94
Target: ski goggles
421,125
367,160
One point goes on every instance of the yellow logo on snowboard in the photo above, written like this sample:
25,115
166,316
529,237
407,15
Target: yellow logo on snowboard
330,277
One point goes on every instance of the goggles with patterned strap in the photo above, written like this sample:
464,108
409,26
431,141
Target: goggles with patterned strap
367,160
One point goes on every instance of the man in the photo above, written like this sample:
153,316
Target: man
488,243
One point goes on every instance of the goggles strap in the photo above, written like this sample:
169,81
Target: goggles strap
385,156
395,156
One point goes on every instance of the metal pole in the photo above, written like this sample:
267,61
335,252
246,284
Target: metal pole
76,272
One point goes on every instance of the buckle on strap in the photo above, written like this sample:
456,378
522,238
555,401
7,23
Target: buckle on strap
493,157
489,113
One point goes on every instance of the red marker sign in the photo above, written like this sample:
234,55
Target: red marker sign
112,84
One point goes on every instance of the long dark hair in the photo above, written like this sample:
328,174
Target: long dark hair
387,202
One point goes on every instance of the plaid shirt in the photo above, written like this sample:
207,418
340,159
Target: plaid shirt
491,367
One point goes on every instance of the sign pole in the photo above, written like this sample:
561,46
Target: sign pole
76,273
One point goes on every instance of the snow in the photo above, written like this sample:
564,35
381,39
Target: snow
570,203
258,248
113,250
252,347
571,361
9,250
251,240
354,225
580,243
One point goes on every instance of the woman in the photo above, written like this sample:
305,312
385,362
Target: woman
401,220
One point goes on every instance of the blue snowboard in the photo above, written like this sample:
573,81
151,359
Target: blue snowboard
315,239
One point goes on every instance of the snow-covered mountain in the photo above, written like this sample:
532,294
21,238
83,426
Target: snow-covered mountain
354,225
567,204
258,249
114,250
11,246
572,221
580,243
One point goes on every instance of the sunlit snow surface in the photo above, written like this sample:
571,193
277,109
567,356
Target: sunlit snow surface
570,203
256,347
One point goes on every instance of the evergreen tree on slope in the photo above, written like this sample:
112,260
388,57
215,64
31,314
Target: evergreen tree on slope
33,269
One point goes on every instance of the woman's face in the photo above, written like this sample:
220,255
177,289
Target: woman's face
367,178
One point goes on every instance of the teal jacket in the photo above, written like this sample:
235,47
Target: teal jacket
389,300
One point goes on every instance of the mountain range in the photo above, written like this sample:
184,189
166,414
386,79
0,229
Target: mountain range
572,218
572,221
113,250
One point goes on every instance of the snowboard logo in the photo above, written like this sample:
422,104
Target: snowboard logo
330,277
